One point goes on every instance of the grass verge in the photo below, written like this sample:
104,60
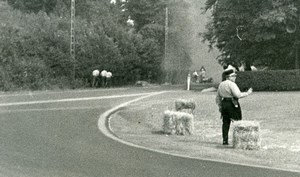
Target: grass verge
141,123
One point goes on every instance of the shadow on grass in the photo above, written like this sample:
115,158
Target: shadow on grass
217,145
211,144
220,146
158,132
161,132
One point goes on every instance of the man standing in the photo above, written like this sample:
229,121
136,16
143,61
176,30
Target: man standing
95,74
195,76
108,79
227,99
202,74
103,78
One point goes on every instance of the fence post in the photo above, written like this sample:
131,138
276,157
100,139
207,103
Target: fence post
188,81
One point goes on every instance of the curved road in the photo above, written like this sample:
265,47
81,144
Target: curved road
55,134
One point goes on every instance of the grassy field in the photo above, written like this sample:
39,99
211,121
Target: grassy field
277,112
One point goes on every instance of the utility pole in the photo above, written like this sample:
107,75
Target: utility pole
166,32
166,63
72,41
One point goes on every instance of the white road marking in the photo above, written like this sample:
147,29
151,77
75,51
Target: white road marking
32,93
50,109
73,99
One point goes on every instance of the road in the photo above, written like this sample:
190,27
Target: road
55,134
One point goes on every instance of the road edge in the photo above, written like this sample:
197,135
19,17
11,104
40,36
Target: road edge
105,128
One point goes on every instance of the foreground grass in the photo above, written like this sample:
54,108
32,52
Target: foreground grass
277,112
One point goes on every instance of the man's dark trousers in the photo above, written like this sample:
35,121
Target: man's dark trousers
225,129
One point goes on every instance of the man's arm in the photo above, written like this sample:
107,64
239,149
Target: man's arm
218,100
237,93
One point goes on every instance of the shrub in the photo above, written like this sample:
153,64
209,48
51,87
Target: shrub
273,80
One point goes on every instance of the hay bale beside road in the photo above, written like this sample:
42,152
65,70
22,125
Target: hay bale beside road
180,123
182,104
246,135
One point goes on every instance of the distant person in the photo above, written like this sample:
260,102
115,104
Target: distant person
95,75
253,68
227,98
242,68
103,78
108,79
202,74
231,67
195,76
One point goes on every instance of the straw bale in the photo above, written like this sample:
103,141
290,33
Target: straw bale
246,135
182,104
179,123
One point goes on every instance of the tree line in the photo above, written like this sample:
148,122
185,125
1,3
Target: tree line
35,39
35,42
264,33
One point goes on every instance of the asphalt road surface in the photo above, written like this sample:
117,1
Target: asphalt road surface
55,134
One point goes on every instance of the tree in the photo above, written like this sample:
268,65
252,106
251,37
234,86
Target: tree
48,6
149,21
253,32
33,5
35,43
145,12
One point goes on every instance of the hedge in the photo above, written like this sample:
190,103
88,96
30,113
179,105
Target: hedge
271,80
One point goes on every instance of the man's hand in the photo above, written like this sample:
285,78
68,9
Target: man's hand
250,90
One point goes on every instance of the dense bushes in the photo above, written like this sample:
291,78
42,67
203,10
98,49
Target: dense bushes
273,80
35,47
34,50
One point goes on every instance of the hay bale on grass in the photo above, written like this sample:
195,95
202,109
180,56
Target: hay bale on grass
180,123
246,135
142,84
182,104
